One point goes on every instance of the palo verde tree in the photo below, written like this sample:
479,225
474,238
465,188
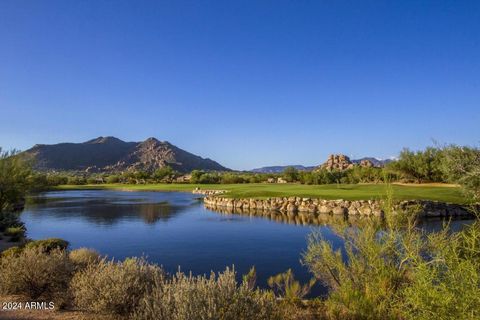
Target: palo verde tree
14,179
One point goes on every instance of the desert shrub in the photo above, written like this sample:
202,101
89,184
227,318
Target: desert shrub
48,245
363,284
291,174
12,251
92,180
113,287
198,176
322,176
447,284
162,173
113,179
183,297
14,174
462,165
15,233
56,179
285,285
74,180
419,166
394,270
36,274
229,178
83,257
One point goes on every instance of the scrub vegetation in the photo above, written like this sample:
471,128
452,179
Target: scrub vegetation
388,269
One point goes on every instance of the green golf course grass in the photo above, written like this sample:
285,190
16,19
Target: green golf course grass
438,192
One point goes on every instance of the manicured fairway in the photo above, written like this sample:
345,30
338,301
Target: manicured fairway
446,193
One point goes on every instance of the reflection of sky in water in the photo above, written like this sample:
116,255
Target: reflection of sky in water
174,229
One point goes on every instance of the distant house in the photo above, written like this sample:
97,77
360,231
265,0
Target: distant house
184,178
276,180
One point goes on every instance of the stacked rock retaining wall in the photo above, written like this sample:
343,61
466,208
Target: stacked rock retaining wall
336,207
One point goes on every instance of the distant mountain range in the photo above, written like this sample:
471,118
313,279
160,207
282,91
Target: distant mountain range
110,154
279,169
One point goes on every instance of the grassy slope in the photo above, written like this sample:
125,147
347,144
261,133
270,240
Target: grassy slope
446,193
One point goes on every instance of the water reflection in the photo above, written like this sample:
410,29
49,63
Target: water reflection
105,208
428,224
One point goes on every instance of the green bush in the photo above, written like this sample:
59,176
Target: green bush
291,174
198,176
113,287
15,233
48,245
12,251
447,285
163,173
14,180
83,257
288,288
420,166
462,165
397,271
183,297
113,179
76,180
36,274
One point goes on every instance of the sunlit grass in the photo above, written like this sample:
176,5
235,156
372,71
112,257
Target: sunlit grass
446,193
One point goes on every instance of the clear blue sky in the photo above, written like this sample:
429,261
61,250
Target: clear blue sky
247,83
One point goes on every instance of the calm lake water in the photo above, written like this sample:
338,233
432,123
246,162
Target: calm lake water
174,230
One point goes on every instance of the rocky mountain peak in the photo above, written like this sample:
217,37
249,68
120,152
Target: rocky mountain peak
104,140
110,154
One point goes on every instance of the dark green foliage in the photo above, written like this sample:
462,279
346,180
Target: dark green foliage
420,166
204,177
162,173
291,174
229,178
39,181
9,219
113,179
14,180
462,165
75,180
56,180
354,175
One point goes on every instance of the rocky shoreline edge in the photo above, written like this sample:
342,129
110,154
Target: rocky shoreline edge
293,205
